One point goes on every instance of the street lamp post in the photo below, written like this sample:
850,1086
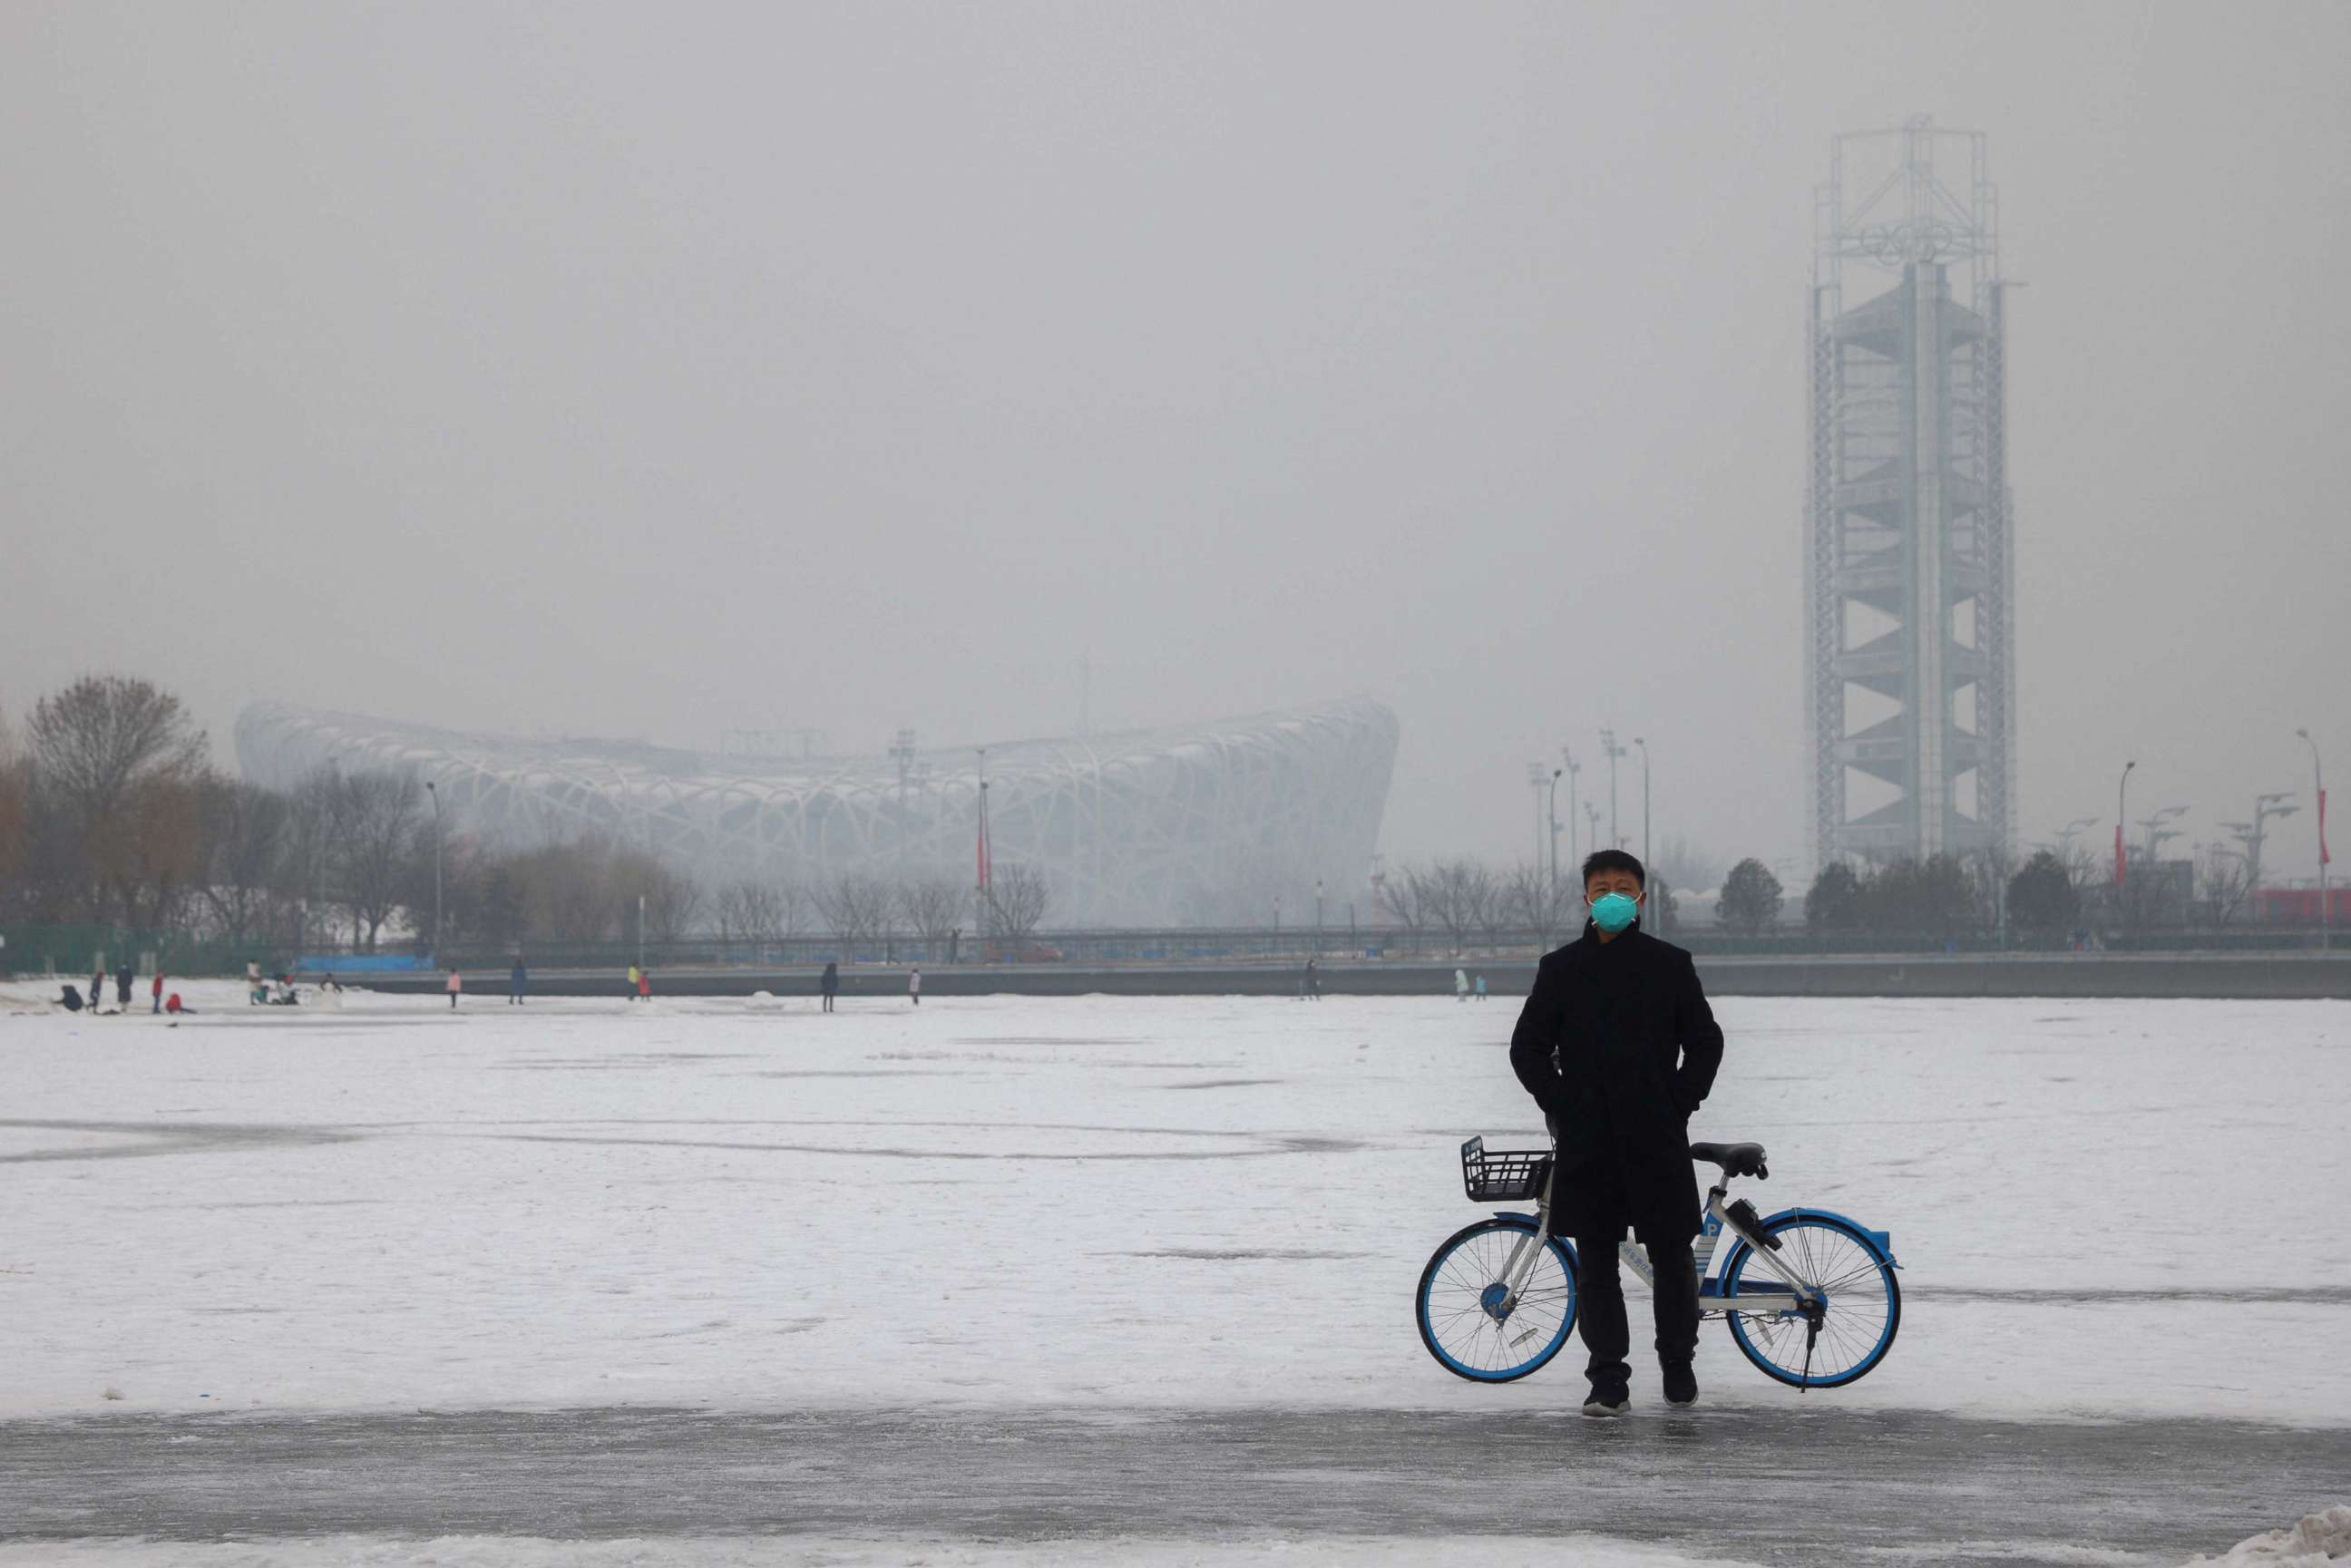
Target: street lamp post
1644,805
1575,769
2318,784
1536,776
1318,918
435,794
903,753
1592,820
2122,864
1551,814
1608,745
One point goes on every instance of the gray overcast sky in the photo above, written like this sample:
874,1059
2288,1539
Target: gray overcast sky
646,370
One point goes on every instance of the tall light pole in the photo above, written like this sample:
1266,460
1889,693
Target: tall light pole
1550,813
1608,745
435,793
1538,778
1592,820
1575,769
1644,804
2253,834
980,879
2157,833
2318,783
1318,918
903,753
2122,819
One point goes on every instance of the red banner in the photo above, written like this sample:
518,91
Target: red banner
2118,854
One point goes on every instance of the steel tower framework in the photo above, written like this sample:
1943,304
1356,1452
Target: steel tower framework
1910,576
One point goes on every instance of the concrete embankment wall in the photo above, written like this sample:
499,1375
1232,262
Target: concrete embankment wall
2213,975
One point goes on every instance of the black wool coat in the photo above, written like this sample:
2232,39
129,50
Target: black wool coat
1618,1046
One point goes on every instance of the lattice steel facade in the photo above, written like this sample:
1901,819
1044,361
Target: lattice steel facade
1910,581
1145,828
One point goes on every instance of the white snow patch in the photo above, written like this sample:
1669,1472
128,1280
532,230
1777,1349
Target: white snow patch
2316,1541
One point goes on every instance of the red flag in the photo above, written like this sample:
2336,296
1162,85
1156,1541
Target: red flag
2324,858
2118,854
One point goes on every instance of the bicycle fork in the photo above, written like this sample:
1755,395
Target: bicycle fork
1524,1253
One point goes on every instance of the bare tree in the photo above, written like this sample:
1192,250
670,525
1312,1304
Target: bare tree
1537,902
1405,899
1018,897
749,912
96,744
569,892
931,906
856,907
674,900
376,832
245,829
1461,895
15,813
2224,884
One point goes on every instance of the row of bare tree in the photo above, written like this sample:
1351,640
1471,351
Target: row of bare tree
1472,904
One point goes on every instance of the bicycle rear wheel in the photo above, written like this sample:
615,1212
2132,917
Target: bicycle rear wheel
1458,1303
1858,1312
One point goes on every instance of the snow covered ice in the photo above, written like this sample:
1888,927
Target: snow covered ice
1106,1204
1109,1201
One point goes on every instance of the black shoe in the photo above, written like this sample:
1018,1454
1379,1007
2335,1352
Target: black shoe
1681,1384
1608,1401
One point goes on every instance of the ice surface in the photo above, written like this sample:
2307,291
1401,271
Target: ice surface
507,1551
2103,1209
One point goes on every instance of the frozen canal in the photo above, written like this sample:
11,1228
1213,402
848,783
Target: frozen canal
1161,1249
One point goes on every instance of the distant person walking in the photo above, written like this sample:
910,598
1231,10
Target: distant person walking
516,978
98,988
914,987
1460,985
645,986
254,996
1314,982
456,989
122,979
633,978
830,984
1482,987
157,988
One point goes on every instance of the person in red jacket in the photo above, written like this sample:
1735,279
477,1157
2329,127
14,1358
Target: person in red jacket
157,988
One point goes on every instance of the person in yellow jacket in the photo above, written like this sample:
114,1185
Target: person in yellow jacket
633,978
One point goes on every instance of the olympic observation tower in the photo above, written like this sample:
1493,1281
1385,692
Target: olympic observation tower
1910,574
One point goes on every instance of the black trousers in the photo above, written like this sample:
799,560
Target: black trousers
1600,1307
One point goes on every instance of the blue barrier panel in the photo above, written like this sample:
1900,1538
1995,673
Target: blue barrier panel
364,964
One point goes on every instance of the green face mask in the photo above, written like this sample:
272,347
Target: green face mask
1611,912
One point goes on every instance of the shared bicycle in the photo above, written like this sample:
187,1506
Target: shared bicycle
1809,1295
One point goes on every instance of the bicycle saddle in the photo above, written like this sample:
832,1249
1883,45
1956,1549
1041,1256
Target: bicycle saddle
1736,1159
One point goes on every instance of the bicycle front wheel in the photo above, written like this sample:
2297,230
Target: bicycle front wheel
1842,1325
1465,1321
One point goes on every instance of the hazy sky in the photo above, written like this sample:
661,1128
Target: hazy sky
648,370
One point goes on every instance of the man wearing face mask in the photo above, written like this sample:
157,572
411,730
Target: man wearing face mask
1618,1046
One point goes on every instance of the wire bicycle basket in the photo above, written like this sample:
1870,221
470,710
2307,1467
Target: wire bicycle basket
1502,1176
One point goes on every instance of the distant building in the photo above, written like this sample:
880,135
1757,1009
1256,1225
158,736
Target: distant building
1199,823
1910,571
2298,906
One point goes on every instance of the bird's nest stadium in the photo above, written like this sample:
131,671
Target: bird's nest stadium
1200,823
